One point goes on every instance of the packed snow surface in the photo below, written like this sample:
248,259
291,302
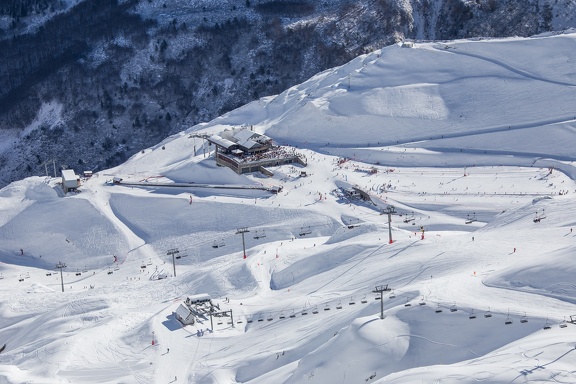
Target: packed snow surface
469,145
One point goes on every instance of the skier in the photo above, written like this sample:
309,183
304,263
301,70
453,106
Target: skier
21,251
514,250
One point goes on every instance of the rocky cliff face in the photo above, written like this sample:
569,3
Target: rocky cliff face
85,84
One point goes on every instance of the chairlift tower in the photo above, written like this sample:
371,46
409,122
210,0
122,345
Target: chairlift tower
242,231
172,252
381,289
45,164
390,210
220,314
61,266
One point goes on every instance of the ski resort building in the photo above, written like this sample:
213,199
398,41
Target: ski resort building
194,306
70,181
184,315
198,299
246,151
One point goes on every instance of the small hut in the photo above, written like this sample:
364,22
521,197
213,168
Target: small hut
70,181
184,315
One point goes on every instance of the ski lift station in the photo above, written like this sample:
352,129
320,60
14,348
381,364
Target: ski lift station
184,315
356,193
186,312
70,181
198,299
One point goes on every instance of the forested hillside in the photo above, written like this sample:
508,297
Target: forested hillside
85,84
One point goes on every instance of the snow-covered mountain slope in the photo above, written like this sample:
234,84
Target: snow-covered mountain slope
90,84
472,143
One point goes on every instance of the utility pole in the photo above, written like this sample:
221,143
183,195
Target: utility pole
172,252
381,289
243,231
390,210
61,266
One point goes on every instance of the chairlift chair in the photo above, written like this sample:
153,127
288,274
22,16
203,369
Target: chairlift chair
453,308
270,318
524,319
327,307
422,302
239,321
282,316
249,320
392,295
408,304
508,320
547,325
304,311
488,313
259,234
292,315
315,310
438,309
472,315
149,262
339,305
364,300
352,301
217,244
563,324
305,231
260,318
472,219
409,218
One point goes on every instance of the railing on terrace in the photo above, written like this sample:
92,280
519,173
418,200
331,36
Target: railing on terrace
259,160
